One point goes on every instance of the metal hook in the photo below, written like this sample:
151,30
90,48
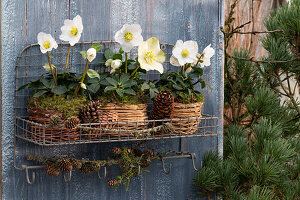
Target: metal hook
139,170
69,178
27,176
99,176
163,166
193,157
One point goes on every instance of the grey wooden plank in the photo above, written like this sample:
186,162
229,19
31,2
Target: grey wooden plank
13,32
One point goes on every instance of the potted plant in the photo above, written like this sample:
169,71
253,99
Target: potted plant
58,94
182,83
122,89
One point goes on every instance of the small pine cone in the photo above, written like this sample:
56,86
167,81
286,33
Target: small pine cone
72,123
85,168
167,129
65,165
112,182
116,150
52,170
30,157
163,105
77,164
55,120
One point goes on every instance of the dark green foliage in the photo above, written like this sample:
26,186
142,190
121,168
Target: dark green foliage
66,79
182,85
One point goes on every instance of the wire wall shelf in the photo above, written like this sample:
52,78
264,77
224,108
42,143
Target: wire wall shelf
29,67
97,133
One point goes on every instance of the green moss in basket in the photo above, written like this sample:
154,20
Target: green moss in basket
69,107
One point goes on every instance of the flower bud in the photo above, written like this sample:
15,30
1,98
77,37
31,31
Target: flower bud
108,62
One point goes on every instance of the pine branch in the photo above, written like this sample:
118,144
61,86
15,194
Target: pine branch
264,61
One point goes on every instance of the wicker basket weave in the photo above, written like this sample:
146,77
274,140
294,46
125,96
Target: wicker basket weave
128,115
186,117
54,133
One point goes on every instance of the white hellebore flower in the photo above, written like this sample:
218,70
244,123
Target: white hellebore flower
91,54
71,30
46,42
208,52
129,36
184,52
150,56
108,62
115,64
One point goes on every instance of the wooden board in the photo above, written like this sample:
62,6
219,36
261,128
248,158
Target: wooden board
169,20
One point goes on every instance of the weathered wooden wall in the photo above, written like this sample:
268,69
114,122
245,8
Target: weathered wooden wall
255,11
168,20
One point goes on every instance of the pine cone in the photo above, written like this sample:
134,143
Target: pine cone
93,113
112,182
71,122
116,150
54,120
65,165
77,164
163,105
86,168
52,170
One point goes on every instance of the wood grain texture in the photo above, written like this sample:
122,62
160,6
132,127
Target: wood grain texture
169,20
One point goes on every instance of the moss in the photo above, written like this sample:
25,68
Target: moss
69,107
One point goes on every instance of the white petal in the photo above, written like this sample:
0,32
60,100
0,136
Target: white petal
206,62
78,23
177,52
134,28
189,60
74,40
181,61
160,57
68,22
208,51
142,49
191,45
174,61
179,43
91,54
153,44
137,40
119,36
127,47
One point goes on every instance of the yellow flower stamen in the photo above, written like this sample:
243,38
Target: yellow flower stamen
73,31
149,57
128,37
185,53
46,44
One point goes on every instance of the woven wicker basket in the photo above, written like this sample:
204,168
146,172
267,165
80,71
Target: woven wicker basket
54,133
186,117
128,115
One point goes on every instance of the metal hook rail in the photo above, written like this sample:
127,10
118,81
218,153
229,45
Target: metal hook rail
191,156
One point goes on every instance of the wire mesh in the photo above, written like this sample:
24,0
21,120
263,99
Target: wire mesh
29,67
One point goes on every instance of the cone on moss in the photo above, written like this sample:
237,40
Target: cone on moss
112,182
65,165
89,167
163,105
72,123
52,170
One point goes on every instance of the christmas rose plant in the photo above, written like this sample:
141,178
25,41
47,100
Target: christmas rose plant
123,83
182,83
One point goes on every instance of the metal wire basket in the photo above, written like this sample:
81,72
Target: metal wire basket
29,67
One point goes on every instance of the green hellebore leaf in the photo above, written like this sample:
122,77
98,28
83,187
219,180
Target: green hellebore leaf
117,56
51,56
97,46
120,92
121,51
109,88
129,91
24,87
59,90
145,86
93,74
203,84
152,94
93,88
84,54
39,93
108,53
112,81
124,78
